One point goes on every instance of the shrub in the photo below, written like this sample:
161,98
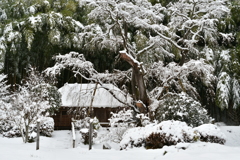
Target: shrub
169,133
183,108
158,140
5,126
157,135
13,132
123,120
46,126
210,133
85,135
119,123
85,123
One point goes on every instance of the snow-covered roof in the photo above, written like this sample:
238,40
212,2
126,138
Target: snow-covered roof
74,95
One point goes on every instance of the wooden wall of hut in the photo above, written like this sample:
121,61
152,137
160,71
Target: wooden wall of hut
63,118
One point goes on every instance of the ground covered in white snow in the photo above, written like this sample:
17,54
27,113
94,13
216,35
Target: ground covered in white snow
59,147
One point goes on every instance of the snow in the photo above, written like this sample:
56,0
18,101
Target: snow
210,129
32,10
59,147
81,95
35,20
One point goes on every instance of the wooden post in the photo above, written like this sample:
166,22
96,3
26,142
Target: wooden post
90,134
38,134
73,134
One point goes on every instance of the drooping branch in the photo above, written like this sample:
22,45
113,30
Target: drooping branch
171,41
145,49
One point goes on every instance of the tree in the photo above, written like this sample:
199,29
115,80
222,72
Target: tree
194,24
4,95
117,18
136,30
140,29
33,99
30,26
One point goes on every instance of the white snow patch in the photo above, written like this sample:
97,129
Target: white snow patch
59,147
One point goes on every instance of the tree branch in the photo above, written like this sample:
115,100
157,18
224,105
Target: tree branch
171,41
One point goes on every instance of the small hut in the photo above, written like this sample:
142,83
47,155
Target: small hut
78,96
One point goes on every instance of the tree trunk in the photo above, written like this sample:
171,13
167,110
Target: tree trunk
138,85
26,133
90,107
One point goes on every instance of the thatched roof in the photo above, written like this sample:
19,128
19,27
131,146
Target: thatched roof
79,95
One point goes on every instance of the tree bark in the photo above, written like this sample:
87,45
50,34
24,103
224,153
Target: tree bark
138,85
26,133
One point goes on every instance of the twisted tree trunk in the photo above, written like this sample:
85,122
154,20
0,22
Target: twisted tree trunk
138,86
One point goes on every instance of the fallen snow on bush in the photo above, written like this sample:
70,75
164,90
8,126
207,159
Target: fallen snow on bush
211,133
170,131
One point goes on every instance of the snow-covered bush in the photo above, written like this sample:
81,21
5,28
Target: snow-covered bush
85,123
8,129
5,126
13,132
85,135
182,108
210,133
119,123
170,133
142,119
123,116
158,140
46,126
158,135
123,120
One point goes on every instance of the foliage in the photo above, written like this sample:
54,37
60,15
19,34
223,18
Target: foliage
120,122
85,135
182,108
29,103
195,78
11,130
123,120
73,61
85,123
158,140
46,126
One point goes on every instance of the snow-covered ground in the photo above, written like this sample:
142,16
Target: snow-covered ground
59,147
